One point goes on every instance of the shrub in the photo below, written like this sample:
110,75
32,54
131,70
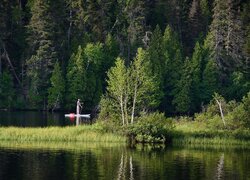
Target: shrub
150,128
234,114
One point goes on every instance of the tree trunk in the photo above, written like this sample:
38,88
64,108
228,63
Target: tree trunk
126,109
133,107
221,112
122,110
6,56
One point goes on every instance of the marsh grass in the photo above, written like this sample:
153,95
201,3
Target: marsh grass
68,146
84,133
191,132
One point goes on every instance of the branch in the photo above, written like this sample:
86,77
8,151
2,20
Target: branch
6,56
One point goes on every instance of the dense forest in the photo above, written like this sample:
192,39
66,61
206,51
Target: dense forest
145,55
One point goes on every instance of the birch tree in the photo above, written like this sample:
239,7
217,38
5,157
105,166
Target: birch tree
117,84
145,87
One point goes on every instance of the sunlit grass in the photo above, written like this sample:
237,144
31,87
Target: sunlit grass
85,133
191,132
70,146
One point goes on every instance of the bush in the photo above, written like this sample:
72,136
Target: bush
235,114
150,128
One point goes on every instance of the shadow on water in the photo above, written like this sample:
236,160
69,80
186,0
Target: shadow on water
118,161
38,119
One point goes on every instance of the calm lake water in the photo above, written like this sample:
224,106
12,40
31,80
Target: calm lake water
111,161
35,119
121,162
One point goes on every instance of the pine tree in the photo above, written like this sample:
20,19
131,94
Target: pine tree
111,48
6,90
228,37
43,54
135,12
173,66
76,78
210,82
197,68
57,89
95,74
182,93
156,55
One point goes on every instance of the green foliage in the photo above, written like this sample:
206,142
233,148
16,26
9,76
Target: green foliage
95,75
43,54
76,78
143,83
133,88
155,51
242,113
209,83
38,33
6,90
238,85
172,68
109,110
182,95
57,89
117,86
236,114
153,127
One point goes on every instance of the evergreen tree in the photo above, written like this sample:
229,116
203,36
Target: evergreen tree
156,55
210,81
246,48
174,62
182,95
6,90
197,68
43,54
135,13
111,48
95,74
76,78
57,89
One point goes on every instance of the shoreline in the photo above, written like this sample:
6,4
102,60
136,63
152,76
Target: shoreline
96,134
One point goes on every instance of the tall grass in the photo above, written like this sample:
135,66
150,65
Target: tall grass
191,132
69,146
59,134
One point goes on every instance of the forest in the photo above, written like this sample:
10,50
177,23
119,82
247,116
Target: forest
124,56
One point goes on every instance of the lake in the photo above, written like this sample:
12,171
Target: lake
112,161
35,119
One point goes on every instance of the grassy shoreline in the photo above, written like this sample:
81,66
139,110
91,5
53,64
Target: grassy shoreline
185,133
196,133
59,134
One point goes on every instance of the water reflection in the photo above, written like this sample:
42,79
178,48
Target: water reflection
82,120
38,119
88,161
220,167
125,162
32,119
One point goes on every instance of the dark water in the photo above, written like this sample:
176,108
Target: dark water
34,119
120,162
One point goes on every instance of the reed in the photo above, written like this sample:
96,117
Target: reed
190,133
85,133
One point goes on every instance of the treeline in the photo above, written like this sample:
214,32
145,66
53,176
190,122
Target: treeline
139,55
